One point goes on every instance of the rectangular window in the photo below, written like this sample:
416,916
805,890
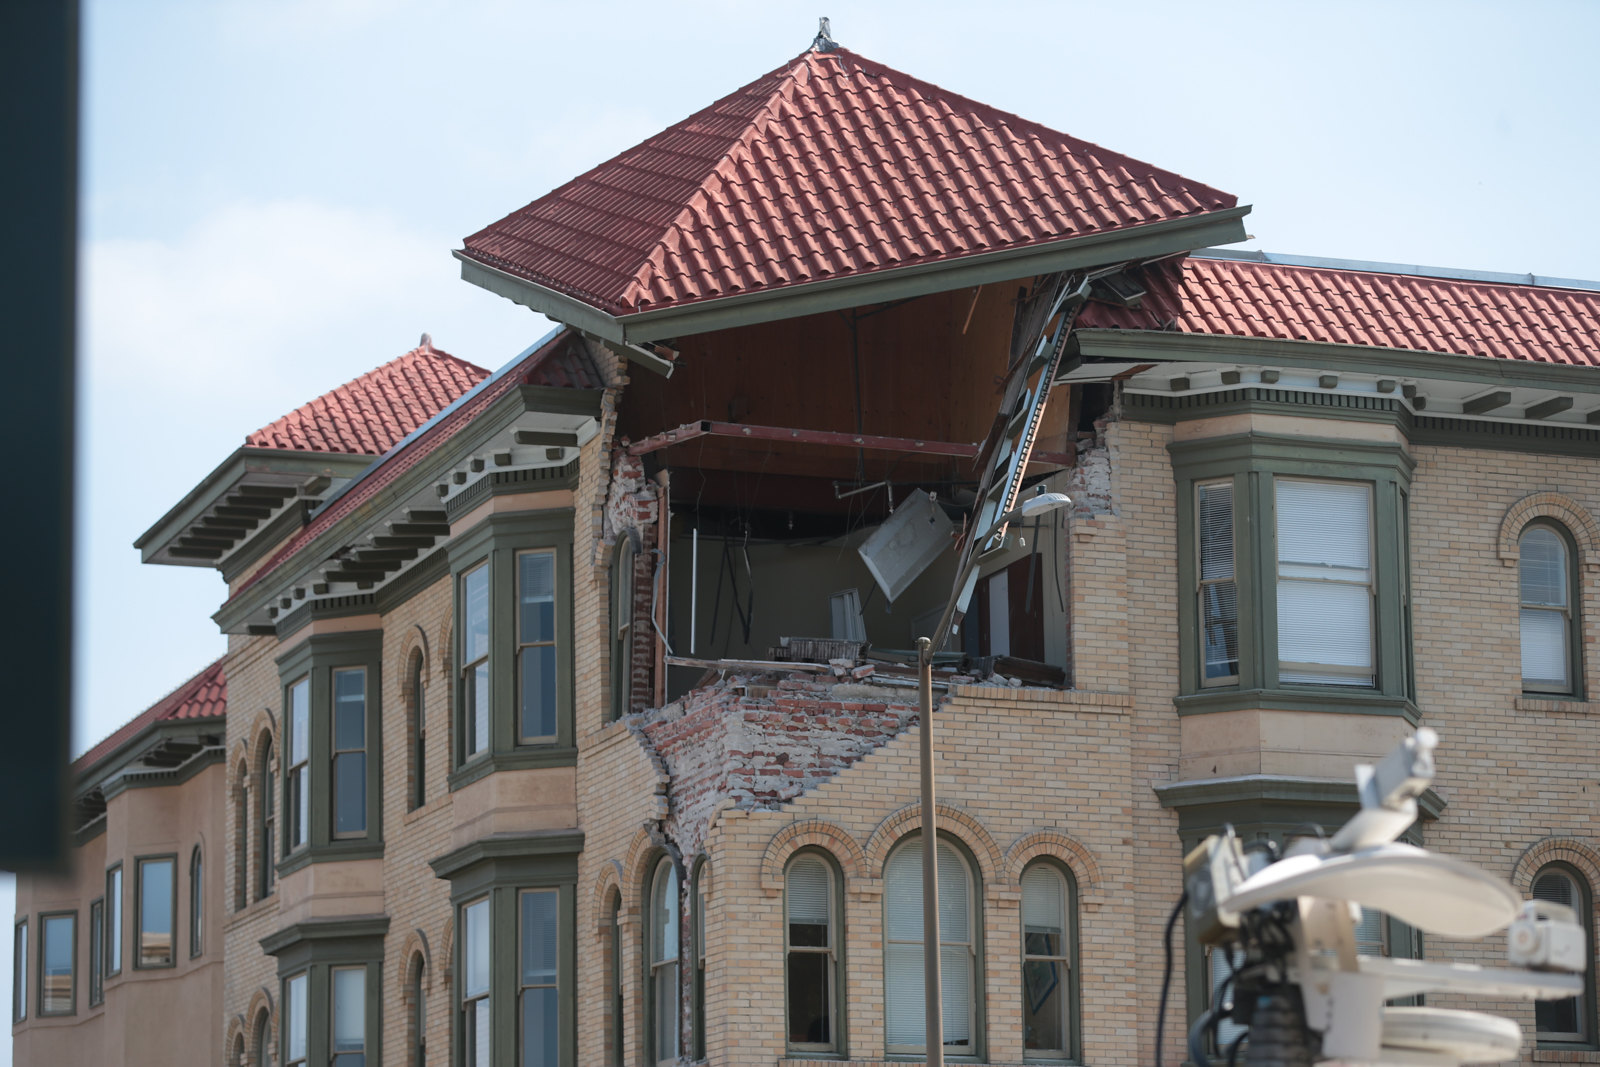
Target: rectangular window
114,920
475,661
475,986
1325,634
539,1025
536,646
1218,593
294,1021
97,952
19,972
297,783
349,1022
350,752
58,947
157,912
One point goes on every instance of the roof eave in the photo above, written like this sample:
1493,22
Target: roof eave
1169,346
1149,241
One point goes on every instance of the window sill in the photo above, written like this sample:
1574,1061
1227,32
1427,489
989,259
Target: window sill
330,853
1566,1055
1556,705
1351,701
516,760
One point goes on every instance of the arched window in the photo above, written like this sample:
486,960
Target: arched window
1049,980
419,735
417,1021
236,1053
614,1031
259,1052
241,839
697,887
811,945
1549,618
959,950
622,628
1572,1021
197,903
663,933
266,854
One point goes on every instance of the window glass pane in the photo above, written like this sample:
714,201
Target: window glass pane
1544,567
19,973
477,1033
299,719
1324,625
114,906
299,805
475,614
903,954
666,1008
664,913
1559,1019
537,670
1044,998
350,793
349,1009
55,964
809,893
476,946
1218,962
350,709
955,983
536,599
809,1010
1544,648
1043,907
1219,605
196,901
295,1022
902,993
1216,530
540,1027
97,933
477,699
155,912
1323,528
539,937
1324,582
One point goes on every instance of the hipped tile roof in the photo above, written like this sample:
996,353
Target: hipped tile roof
829,166
371,414
1245,298
205,696
562,363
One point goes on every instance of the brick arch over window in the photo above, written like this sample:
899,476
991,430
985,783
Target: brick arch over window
261,1014
953,820
239,798
1058,845
1563,509
835,840
1582,856
644,850
416,946
608,881
235,1042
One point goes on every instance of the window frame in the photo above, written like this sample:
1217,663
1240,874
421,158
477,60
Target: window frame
497,543
697,956
315,662
297,772
1200,585
837,1042
19,971
97,951
1369,587
616,997
417,1013
1255,461
138,911
287,999
1587,1039
335,753
44,918
464,994
114,920
197,895
472,748
267,823
1573,612
621,621
335,1057
417,712
1072,995
521,985
663,873
977,1006
314,950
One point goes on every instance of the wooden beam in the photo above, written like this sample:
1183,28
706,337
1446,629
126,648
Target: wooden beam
1545,408
1487,402
690,431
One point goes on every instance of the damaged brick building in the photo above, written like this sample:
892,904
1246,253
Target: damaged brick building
571,708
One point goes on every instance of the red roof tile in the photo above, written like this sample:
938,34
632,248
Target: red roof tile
205,696
831,165
1245,298
562,363
371,414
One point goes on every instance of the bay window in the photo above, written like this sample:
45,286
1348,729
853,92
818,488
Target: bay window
329,970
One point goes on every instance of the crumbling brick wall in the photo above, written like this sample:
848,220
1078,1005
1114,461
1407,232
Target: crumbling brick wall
632,510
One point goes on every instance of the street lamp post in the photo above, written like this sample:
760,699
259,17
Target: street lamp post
933,1005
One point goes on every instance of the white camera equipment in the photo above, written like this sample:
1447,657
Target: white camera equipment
1301,988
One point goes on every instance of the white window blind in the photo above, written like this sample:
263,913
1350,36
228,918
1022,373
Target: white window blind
1325,634
1043,901
349,1010
903,981
808,892
1544,614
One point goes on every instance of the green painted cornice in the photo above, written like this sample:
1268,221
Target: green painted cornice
540,843
141,745
1161,346
1268,789
1151,241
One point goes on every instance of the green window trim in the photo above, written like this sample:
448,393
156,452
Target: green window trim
41,979
315,949
318,661
140,947
97,952
501,543
114,919
499,870
1254,462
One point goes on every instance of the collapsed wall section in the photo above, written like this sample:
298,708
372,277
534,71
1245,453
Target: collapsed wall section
756,741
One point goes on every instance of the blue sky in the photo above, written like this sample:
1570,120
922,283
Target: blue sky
271,190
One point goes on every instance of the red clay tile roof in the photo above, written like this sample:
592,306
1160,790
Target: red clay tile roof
205,696
1244,298
832,165
371,414
562,363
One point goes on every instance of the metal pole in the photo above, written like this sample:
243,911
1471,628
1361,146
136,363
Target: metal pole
932,994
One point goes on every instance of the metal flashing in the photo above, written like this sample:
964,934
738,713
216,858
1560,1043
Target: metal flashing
1252,255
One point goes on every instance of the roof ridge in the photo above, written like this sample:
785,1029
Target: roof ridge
150,714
